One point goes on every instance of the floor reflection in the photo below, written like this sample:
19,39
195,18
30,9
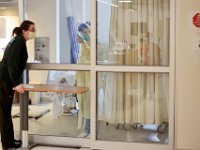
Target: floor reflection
66,125
144,133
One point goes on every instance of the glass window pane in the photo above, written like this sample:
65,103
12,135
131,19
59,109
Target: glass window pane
133,33
133,107
58,114
67,38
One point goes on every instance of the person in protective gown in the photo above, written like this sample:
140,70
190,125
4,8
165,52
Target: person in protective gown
83,79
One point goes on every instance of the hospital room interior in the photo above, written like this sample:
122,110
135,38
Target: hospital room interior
121,51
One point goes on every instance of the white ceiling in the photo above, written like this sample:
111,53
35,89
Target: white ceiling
8,3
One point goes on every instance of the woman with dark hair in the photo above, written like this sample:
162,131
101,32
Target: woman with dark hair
11,69
15,30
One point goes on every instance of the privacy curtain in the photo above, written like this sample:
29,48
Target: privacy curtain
139,36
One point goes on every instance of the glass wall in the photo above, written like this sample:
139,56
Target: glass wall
63,37
66,40
133,33
133,107
126,66
58,114
74,31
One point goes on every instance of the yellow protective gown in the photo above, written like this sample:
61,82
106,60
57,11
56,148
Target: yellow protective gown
83,79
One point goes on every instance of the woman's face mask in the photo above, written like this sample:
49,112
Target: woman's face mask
31,35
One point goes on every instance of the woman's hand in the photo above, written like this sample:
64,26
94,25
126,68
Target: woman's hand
20,88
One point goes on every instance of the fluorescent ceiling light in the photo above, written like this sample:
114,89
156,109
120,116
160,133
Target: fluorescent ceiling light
102,1
114,5
125,1
132,10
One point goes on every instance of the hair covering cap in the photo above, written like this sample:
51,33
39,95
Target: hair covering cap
82,26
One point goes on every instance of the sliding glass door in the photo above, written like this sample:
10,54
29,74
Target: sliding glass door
133,72
124,52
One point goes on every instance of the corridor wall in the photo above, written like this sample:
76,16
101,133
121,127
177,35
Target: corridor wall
187,94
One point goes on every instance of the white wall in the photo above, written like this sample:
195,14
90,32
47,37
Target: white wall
10,19
7,24
43,13
187,78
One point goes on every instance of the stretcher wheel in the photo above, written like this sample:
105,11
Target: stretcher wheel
141,126
161,128
117,126
137,126
107,123
127,127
